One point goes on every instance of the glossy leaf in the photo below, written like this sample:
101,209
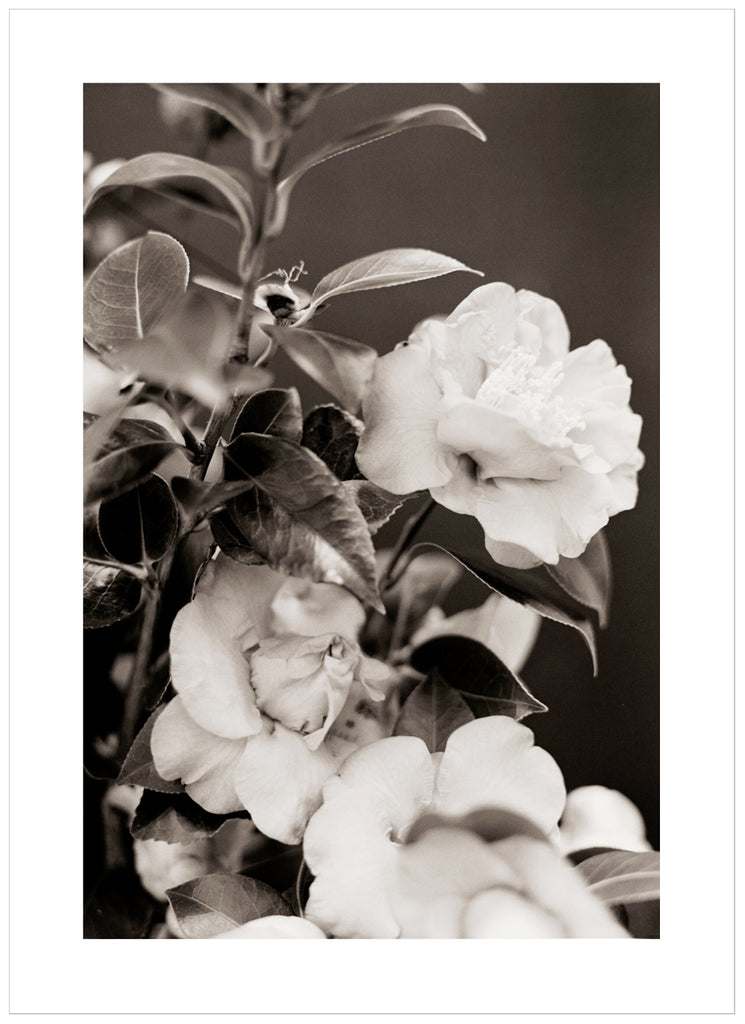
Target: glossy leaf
483,680
92,546
244,109
531,587
621,876
218,902
300,519
232,542
275,411
432,711
140,525
429,115
333,435
588,578
130,452
139,769
382,270
340,365
109,595
175,818
157,168
132,289
200,497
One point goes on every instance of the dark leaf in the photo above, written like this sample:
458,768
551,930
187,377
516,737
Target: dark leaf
588,578
531,587
333,434
139,769
109,594
232,542
132,289
277,866
157,168
623,876
340,365
375,503
300,519
132,450
275,411
200,497
218,902
432,712
118,908
642,920
417,117
481,678
140,524
243,108
92,546
175,818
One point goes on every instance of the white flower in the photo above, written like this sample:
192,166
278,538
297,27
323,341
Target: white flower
273,692
491,412
597,816
274,927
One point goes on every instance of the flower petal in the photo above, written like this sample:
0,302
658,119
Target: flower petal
205,763
309,609
547,316
492,762
276,926
402,405
506,914
597,816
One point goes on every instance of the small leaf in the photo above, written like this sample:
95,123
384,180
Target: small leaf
430,115
340,365
275,411
132,289
531,587
130,452
622,876
109,594
218,902
175,818
432,712
588,578
200,497
482,679
156,168
382,270
139,769
375,503
300,519
333,435
141,524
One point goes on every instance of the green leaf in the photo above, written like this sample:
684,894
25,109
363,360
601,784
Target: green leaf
275,411
175,818
429,115
130,452
245,110
140,525
622,876
218,902
531,587
333,435
588,578
132,289
139,769
156,168
200,497
433,711
340,365
381,270
482,679
109,594
300,519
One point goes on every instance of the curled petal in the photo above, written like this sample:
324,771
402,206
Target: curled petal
597,816
546,315
276,926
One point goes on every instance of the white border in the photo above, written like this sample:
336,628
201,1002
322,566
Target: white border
690,53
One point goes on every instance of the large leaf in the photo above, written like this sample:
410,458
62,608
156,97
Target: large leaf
482,679
175,818
300,519
382,270
129,454
531,587
109,595
141,524
157,168
139,769
340,365
622,876
430,115
433,711
333,435
243,108
274,411
218,902
132,289
588,578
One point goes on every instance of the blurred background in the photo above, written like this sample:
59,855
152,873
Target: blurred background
562,199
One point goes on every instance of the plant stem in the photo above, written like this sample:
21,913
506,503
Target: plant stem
140,674
410,530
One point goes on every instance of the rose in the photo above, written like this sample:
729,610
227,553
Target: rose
491,412
273,692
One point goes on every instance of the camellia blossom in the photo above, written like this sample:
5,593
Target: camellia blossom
273,693
490,411
355,843
595,816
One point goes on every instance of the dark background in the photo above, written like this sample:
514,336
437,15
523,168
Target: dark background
562,199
